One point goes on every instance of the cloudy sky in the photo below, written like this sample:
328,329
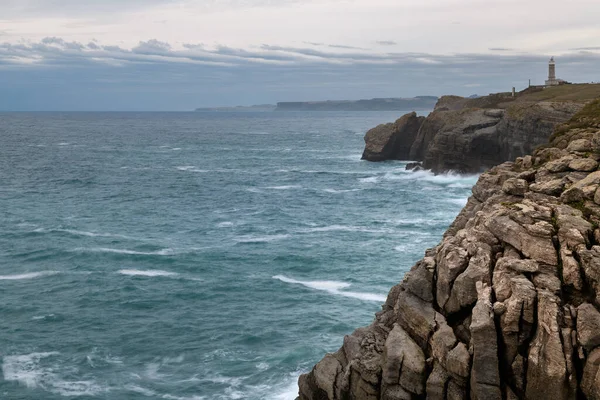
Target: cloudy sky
183,54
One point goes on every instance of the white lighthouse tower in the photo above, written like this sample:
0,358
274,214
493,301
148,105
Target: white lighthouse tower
552,81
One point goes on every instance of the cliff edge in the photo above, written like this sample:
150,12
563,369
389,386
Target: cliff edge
471,135
506,306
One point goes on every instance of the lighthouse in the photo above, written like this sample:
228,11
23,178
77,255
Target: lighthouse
552,81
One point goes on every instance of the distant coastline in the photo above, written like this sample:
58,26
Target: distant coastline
380,104
255,108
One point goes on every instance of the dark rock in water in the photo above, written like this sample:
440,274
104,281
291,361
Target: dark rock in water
507,305
392,141
414,166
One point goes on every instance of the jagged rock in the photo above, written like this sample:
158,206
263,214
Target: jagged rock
560,165
546,370
516,187
582,189
392,141
459,361
551,188
536,244
590,383
404,362
485,376
588,326
417,317
579,145
436,382
583,164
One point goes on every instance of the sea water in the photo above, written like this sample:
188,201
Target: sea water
197,256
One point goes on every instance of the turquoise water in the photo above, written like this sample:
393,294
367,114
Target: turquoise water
197,256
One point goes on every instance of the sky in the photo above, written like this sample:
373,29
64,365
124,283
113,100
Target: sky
177,55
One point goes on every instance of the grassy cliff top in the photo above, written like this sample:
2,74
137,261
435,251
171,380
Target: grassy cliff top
570,93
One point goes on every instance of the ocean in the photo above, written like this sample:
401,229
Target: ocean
197,255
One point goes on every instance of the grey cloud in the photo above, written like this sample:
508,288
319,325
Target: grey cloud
53,51
341,46
386,42
587,48
152,46
500,49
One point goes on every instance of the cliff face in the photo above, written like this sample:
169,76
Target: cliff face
474,139
506,306
392,141
471,135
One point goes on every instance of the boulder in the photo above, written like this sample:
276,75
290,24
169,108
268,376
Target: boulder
583,164
516,187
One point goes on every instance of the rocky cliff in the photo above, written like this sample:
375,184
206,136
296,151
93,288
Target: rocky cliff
472,135
392,141
506,306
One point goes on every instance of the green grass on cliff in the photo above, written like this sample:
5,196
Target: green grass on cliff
574,92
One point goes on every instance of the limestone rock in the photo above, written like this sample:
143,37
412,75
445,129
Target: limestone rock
392,141
583,164
404,362
579,145
588,326
516,187
485,376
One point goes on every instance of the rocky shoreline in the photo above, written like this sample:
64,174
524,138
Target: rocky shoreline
506,306
471,135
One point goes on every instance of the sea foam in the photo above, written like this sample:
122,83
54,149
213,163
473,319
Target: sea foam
148,273
27,369
30,275
333,287
162,252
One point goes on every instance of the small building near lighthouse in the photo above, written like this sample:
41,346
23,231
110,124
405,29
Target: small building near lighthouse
552,80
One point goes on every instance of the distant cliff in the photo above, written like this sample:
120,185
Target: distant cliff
391,104
471,135
506,307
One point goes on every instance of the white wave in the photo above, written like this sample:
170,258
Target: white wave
163,252
64,144
27,369
371,179
30,275
461,202
39,317
448,178
191,168
289,392
226,224
460,185
335,191
284,187
263,366
176,148
343,228
83,233
333,287
148,273
261,239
